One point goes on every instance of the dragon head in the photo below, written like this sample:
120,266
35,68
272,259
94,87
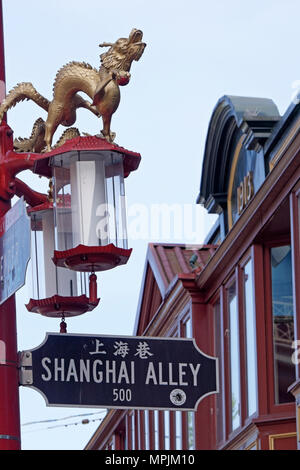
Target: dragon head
136,46
123,52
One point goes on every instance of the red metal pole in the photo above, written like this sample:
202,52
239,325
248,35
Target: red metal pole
9,383
2,59
10,438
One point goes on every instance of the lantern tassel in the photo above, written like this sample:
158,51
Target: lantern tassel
93,288
63,326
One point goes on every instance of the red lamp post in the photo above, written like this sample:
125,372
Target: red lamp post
10,164
9,394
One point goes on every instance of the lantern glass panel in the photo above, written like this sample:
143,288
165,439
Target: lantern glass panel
48,279
37,258
89,199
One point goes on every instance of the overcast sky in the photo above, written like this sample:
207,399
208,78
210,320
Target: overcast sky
197,51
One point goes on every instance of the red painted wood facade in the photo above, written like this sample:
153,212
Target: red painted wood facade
240,301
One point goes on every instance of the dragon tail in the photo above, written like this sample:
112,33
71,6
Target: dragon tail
22,91
35,143
69,133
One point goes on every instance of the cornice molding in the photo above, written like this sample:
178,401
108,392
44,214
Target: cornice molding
254,117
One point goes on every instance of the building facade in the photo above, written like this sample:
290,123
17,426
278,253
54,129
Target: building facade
238,294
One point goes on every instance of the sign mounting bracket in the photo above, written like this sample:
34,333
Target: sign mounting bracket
25,368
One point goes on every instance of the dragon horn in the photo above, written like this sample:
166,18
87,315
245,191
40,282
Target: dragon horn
105,44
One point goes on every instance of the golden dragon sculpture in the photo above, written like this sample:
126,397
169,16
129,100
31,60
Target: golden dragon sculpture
102,86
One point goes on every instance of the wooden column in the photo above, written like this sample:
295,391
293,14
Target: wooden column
203,332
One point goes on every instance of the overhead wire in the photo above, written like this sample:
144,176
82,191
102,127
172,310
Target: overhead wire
62,418
83,421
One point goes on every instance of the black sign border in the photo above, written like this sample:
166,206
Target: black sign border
109,407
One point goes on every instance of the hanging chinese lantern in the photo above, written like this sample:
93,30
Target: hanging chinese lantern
57,292
89,202
81,228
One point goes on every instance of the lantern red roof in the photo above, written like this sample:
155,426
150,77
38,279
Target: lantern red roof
58,306
131,159
92,258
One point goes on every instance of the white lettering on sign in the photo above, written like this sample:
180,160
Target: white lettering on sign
72,372
97,375
49,375
122,348
59,370
195,373
143,350
85,370
182,373
166,374
98,348
118,372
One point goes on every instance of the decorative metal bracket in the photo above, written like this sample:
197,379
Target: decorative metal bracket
25,368
12,163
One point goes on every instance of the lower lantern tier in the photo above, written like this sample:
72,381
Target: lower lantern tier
91,258
58,306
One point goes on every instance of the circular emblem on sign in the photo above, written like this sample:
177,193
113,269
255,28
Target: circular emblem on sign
177,397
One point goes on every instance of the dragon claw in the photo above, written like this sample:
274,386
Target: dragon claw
109,137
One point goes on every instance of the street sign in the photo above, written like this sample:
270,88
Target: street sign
138,372
14,249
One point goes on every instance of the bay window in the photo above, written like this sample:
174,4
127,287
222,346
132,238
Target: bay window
234,356
235,345
283,321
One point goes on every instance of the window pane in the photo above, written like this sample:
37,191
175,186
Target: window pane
191,427
112,443
250,339
156,430
147,434
283,321
132,431
178,422
188,328
234,357
167,429
218,353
